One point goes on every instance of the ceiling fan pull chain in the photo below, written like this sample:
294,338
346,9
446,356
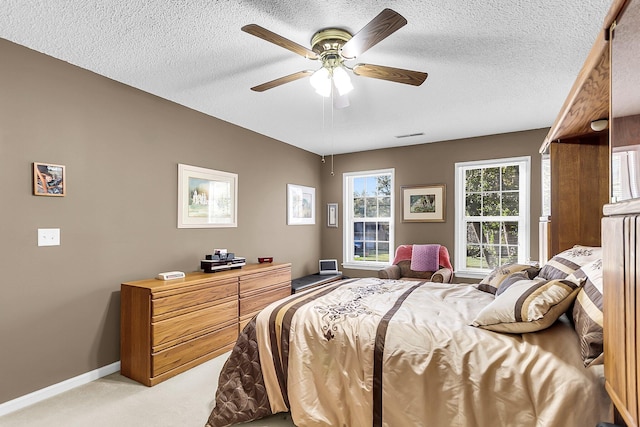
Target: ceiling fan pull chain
332,132
324,133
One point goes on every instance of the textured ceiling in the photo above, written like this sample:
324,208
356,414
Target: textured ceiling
494,66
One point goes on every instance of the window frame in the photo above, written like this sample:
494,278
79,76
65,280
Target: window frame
348,220
524,217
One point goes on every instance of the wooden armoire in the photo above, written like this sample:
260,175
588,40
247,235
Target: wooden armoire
621,224
595,192
599,175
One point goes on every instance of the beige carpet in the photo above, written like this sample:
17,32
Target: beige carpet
182,401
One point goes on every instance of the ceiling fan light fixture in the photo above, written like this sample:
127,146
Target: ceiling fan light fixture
342,81
321,82
340,102
323,79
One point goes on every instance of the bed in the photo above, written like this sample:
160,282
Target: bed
382,352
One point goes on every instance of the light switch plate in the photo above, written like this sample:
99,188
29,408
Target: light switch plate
48,236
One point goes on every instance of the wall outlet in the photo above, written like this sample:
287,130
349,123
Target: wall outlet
48,237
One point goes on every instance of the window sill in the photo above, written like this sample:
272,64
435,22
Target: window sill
471,274
364,266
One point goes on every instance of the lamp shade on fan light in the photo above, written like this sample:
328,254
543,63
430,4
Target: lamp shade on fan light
322,79
321,82
342,81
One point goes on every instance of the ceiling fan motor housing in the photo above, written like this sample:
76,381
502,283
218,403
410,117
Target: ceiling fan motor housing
328,43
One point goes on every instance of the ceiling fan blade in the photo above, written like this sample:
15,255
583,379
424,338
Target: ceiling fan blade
264,34
282,80
398,75
382,26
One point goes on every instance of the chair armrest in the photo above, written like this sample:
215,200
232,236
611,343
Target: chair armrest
443,275
391,272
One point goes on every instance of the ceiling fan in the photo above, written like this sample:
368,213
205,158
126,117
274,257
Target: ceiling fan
332,47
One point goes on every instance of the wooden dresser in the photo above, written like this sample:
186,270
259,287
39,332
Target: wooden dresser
621,225
168,327
621,264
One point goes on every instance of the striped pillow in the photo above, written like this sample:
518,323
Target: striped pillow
528,305
566,262
491,282
510,280
587,312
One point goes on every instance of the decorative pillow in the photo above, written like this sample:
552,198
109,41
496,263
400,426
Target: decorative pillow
511,280
566,262
491,282
587,312
528,305
425,257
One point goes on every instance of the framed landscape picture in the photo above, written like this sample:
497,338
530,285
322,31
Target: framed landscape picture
207,198
301,205
423,203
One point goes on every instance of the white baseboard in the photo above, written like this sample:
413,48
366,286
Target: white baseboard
55,389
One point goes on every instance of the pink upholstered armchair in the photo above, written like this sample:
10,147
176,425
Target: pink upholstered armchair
420,262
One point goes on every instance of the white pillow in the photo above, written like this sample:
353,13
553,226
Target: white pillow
528,305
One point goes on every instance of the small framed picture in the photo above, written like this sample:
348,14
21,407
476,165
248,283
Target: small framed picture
49,180
332,215
301,205
423,203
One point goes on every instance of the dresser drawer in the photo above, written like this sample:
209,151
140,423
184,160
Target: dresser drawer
186,326
254,303
213,292
174,357
255,282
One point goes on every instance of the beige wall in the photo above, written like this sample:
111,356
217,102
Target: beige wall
59,309
430,164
